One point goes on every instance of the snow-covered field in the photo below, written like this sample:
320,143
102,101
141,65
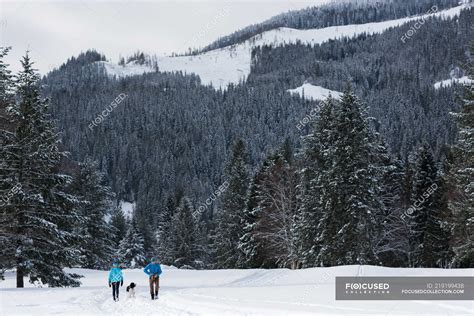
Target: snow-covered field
223,66
311,92
225,292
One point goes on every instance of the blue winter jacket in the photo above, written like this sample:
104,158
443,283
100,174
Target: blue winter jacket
115,275
153,269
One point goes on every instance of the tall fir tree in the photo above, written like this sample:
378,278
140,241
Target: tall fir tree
425,184
317,149
119,225
185,243
40,212
131,250
163,234
462,204
349,228
230,217
436,252
145,224
7,124
96,202
248,244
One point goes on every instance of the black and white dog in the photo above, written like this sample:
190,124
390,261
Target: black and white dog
131,290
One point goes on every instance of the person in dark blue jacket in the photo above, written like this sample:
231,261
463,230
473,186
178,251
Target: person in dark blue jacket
115,279
153,269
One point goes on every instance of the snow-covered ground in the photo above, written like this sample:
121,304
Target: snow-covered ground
225,292
130,69
311,92
231,64
448,82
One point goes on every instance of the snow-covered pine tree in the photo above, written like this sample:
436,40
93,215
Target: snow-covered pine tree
6,80
317,149
462,206
229,219
436,251
145,223
6,182
425,183
248,244
96,202
184,242
163,233
131,250
41,213
119,225
349,227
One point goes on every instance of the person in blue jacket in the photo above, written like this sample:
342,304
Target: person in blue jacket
153,269
115,280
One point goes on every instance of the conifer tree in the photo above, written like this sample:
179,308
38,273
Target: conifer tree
163,234
185,244
248,245
95,204
317,149
462,205
436,252
131,250
119,225
230,218
40,214
349,227
425,184
6,182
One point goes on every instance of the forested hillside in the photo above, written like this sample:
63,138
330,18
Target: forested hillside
396,79
333,14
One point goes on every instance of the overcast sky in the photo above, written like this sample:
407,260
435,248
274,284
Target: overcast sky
56,30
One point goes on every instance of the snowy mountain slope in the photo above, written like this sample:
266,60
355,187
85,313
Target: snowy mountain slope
130,69
312,92
227,65
224,292
448,82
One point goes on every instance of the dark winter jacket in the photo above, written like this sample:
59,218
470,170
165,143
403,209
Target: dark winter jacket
153,269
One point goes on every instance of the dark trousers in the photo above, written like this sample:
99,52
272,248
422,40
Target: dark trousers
154,285
115,290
